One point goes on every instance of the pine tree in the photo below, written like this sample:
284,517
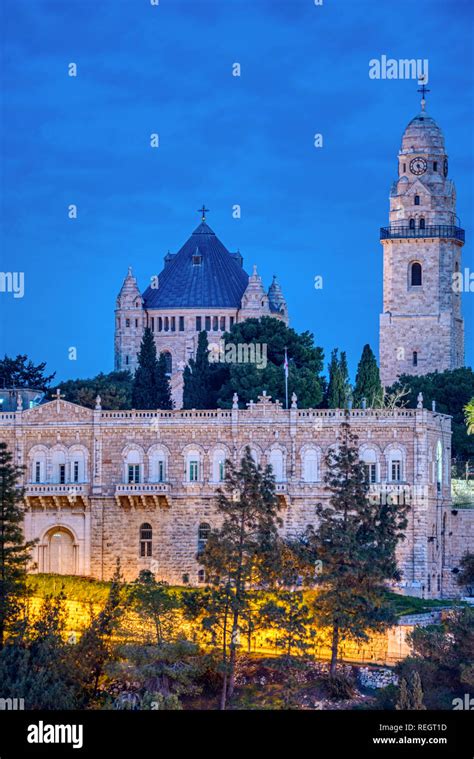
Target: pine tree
355,541
368,383
94,649
164,397
238,554
14,552
149,386
197,378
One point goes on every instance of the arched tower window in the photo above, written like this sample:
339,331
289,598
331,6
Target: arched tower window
422,223
415,358
417,200
416,277
146,535
412,224
169,362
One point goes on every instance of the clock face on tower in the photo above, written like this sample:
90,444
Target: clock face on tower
445,167
418,166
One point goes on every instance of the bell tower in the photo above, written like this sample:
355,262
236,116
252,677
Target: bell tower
421,327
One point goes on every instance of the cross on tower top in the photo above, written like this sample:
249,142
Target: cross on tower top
203,211
423,89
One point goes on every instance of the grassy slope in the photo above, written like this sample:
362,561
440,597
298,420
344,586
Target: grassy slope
87,589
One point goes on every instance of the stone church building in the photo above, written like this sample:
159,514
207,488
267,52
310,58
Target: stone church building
141,485
202,286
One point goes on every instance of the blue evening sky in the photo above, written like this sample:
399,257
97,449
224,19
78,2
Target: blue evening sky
224,140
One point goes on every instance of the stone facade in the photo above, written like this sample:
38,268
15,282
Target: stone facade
421,327
140,485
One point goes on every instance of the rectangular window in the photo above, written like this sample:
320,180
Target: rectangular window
396,470
160,324
215,323
181,323
371,473
161,471
75,471
231,322
62,474
134,473
145,548
127,322
136,323
152,323
435,166
221,471
193,471
38,471
167,324
208,324
173,324
222,323
198,323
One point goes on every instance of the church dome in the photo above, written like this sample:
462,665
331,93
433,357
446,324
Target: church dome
203,274
422,135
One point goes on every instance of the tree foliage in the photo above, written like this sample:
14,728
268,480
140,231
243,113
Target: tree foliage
115,390
14,551
367,384
305,363
151,388
22,372
452,390
355,541
238,555
338,389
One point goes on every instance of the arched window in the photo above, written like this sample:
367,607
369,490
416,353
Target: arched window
416,277
203,536
218,465
77,465
369,460
169,362
417,200
133,473
146,535
201,576
157,465
395,465
310,465
38,466
59,467
422,223
412,224
193,466
415,358
439,465
277,465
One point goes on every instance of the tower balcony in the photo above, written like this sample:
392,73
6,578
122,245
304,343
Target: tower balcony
439,230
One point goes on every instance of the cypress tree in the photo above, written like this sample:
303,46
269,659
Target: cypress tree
165,400
338,386
150,383
368,383
14,552
198,378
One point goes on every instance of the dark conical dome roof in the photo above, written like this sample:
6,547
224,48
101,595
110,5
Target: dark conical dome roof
203,274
